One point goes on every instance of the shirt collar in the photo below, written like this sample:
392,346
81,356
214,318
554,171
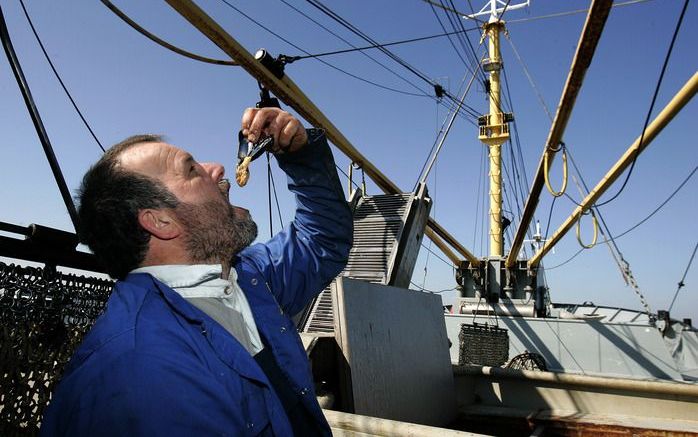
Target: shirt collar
188,276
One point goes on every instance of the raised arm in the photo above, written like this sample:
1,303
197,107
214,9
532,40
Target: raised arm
303,258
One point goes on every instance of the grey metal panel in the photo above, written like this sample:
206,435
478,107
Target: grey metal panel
378,222
406,250
683,345
394,341
588,347
387,234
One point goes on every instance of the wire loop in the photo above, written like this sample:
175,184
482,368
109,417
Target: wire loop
546,166
596,230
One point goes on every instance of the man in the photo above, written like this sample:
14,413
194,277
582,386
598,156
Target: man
196,338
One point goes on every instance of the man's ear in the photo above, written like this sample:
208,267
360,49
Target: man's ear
160,223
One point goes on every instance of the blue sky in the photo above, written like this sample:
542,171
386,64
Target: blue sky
126,84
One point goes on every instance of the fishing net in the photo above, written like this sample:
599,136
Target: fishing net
483,344
44,315
528,361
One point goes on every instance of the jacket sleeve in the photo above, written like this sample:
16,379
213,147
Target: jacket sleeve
301,260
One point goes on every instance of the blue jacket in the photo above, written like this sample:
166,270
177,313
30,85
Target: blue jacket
153,364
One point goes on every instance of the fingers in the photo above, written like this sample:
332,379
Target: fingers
287,131
247,117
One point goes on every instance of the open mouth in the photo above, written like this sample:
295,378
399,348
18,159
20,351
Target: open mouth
224,187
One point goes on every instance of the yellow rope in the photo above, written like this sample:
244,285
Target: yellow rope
596,231
546,166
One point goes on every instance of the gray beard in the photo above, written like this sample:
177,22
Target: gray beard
215,231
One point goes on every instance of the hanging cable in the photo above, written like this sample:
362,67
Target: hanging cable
481,25
449,38
477,199
605,230
436,255
636,225
484,212
517,194
271,188
517,140
577,11
504,11
613,248
339,169
661,205
527,73
446,8
290,59
566,261
540,17
276,200
336,35
465,41
438,134
368,81
421,288
681,283
60,81
431,242
654,99
162,42
441,131
618,258
448,129
271,218
346,24
523,185
36,119
550,215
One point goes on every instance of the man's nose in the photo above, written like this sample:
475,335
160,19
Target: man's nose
215,170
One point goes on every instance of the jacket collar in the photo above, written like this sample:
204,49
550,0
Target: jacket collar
177,302
228,349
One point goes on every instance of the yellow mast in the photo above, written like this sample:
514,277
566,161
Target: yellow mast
494,131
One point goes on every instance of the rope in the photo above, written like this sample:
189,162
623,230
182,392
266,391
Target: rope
596,231
58,77
576,11
290,59
546,173
528,76
162,42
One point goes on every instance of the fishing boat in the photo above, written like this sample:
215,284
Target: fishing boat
498,355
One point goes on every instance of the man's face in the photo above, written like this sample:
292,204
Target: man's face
214,229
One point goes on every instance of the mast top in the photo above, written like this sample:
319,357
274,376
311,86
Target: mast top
495,9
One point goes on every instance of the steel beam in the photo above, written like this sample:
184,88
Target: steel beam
287,91
436,233
591,33
653,129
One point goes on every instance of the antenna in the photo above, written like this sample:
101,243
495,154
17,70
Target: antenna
491,8
538,239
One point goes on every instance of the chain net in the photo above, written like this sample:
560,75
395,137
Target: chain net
528,361
44,315
483,344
